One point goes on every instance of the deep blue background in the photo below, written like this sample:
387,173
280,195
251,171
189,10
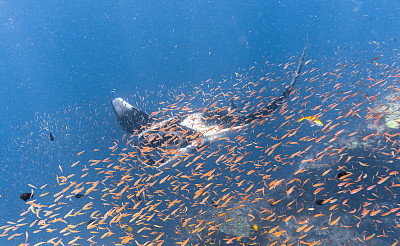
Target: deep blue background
56,54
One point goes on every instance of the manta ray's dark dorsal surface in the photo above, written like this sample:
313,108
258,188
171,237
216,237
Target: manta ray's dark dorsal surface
201,125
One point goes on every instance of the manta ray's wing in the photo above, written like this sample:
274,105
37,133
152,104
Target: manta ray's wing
275,104
130,118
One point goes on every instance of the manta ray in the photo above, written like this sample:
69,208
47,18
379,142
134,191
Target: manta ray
162,143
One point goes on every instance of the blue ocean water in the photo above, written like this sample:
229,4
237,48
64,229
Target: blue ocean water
63,61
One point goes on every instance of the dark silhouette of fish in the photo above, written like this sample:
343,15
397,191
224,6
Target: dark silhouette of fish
214,203
26,196
78,196
51,137
341,174
90,222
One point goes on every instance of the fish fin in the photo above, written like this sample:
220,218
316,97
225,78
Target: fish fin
129,117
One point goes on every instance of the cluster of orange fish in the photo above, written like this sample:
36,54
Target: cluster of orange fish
123,201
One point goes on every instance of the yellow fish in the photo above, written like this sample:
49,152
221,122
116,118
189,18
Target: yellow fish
255,227
312,120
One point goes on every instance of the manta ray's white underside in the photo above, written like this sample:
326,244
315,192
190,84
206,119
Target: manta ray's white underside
208,134
194,122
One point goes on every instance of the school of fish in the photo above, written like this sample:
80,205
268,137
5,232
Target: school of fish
278,182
